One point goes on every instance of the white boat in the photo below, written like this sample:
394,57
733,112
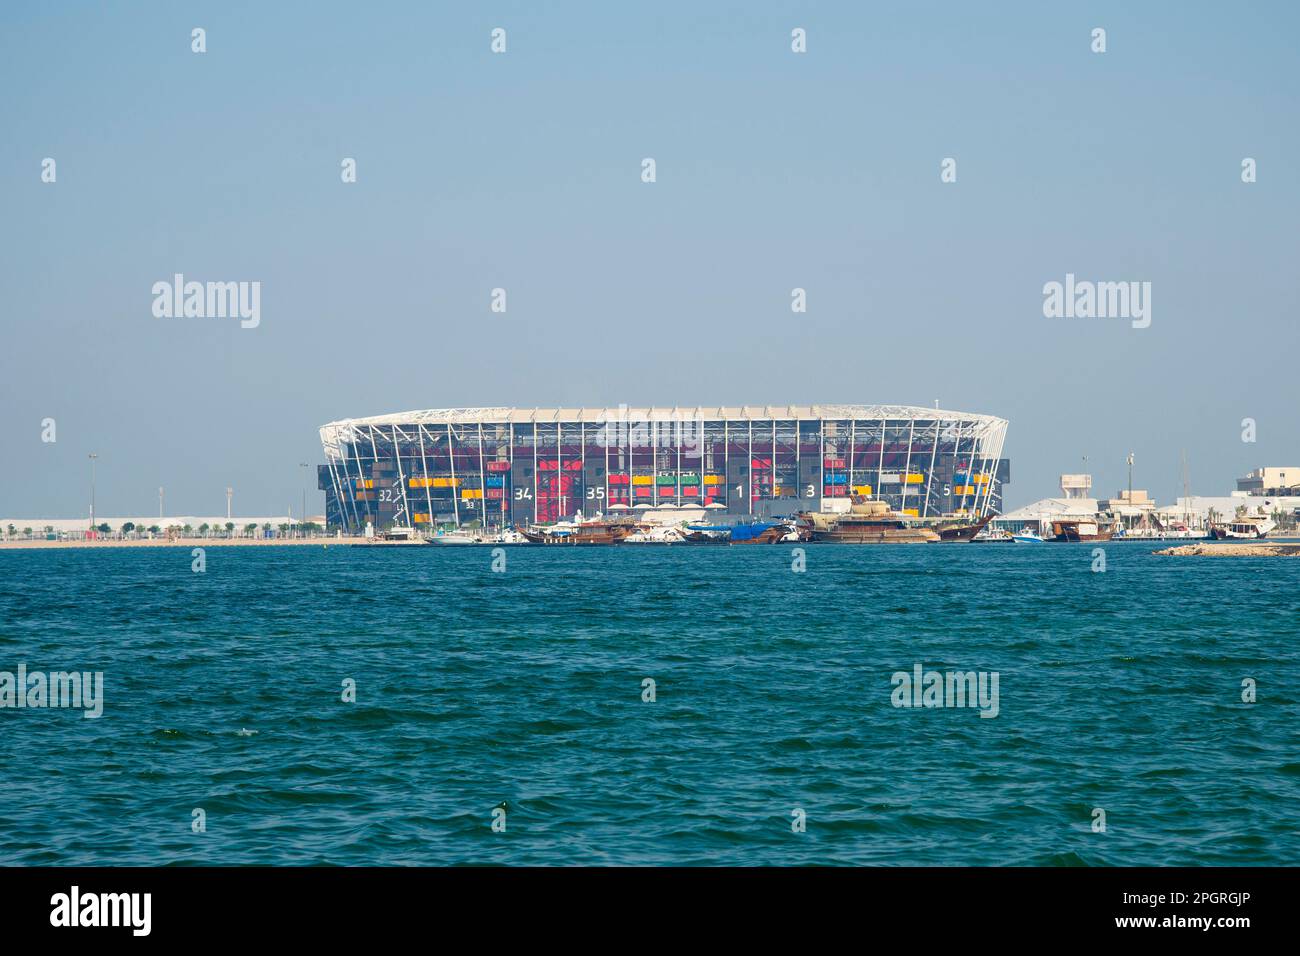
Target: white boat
660,534
1247,526
454,537
400,534
1027,536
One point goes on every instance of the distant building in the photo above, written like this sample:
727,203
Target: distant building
1132,508
1271,481
1040,515
1076,486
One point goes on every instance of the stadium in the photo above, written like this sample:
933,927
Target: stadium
502,467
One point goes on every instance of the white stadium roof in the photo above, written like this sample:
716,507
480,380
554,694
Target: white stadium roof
334,433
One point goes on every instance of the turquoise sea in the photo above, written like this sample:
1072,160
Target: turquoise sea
523,689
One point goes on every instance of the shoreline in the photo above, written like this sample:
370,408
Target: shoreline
1233,549
41,544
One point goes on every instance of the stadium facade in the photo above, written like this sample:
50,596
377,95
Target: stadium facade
520,466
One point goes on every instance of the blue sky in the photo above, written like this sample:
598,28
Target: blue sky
522,171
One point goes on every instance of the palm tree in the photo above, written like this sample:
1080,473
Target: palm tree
128,527
250,528
230,529
27,532
154,529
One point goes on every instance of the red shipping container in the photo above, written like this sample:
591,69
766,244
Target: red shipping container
834,462
643,491
690,491
762,462
498,466
496,492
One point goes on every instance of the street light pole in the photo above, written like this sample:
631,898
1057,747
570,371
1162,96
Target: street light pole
160,505
302,518
92,457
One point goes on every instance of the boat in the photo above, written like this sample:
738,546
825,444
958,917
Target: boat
454,537
507,536
1027,535
597,530
400,534
747,532
1079,531
961,530
1247,526
866,522
659,534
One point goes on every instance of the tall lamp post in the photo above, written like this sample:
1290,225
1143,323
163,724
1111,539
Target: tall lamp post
302,518
1130,479
92,456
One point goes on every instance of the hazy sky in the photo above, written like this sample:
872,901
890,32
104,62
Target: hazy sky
522,170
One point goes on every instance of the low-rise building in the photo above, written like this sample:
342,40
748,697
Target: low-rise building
1277,481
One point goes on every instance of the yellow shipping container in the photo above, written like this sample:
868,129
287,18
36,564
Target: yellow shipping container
912,511
421,518
713,479
446,482
471,493
643,479
981,479
862,489
915,479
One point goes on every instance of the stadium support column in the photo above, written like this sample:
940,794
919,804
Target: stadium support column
880,467
853,444
820,470
401,478
451,461
482,478
424,466
929,475
907,466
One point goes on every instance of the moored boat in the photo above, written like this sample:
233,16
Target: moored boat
1247,526
595,531
1079,531
751,532
866,522
961,530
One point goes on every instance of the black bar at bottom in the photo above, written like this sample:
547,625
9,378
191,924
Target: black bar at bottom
216,905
